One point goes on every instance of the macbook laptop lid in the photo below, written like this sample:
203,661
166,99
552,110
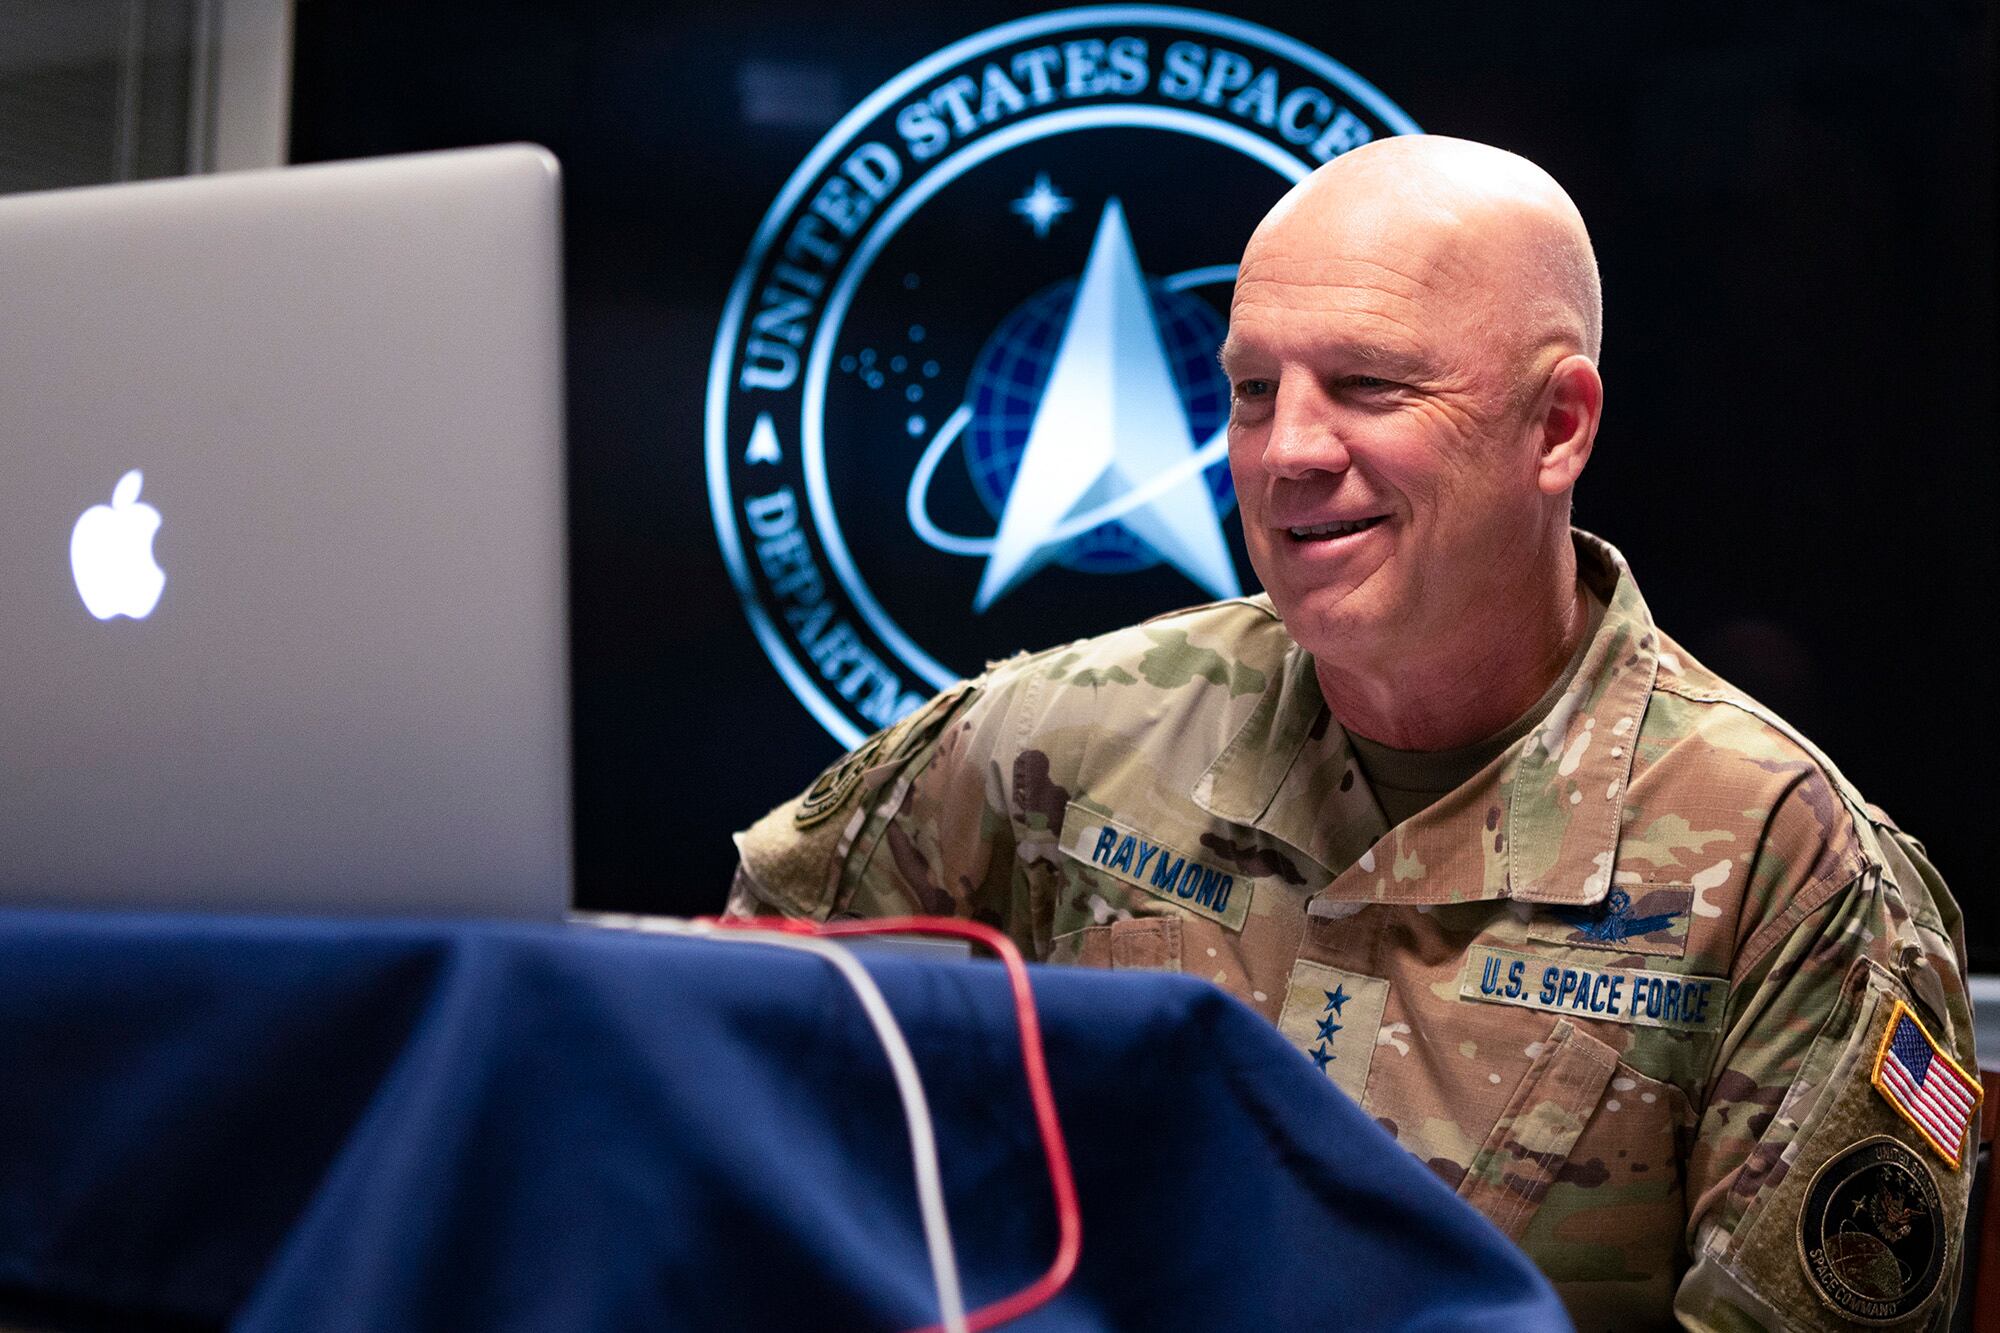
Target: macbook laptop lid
282,594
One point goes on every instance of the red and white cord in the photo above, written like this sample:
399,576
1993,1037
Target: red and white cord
809,937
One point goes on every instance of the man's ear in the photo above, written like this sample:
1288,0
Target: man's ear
1571,406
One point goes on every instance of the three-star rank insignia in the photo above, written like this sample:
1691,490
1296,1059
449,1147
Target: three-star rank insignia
1335,1017
1873,1233
1336,1000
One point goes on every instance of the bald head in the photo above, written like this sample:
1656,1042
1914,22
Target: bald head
1464,214
1412,358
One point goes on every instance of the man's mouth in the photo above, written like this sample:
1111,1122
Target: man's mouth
1320,532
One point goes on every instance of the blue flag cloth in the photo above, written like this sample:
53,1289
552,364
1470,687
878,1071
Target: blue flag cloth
291,1124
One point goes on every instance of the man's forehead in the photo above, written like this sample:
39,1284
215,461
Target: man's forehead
1360,312
1416,181
1368,243
1459,240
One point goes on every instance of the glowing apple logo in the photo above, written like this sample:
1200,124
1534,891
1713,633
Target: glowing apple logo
111,554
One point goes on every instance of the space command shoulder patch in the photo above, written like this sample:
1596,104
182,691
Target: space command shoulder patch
1617,994
1873,1234
831,790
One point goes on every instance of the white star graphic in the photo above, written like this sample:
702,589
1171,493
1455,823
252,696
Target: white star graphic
1110,422
1042,204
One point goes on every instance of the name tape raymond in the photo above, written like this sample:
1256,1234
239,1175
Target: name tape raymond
1165,872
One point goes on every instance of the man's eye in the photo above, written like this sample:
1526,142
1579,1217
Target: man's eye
1253,388
1367,382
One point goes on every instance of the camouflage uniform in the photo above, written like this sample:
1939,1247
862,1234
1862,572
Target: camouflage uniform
1629,989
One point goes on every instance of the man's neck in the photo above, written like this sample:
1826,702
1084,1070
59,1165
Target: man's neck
1451,697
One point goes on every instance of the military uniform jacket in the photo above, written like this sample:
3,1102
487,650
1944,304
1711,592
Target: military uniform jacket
1656,991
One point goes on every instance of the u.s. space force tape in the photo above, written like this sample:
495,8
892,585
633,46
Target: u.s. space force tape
1619,994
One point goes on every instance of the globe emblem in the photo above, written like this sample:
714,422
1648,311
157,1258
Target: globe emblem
1079,429
1006,384
1083,411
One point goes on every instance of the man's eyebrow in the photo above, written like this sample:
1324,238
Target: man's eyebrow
1396,361
1230,351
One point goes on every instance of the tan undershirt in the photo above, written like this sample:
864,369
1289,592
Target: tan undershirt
1406,781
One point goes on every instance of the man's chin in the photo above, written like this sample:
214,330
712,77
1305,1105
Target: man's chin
1334,623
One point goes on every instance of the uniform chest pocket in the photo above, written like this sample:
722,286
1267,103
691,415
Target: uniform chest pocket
1586,1152
1171,943
1152,942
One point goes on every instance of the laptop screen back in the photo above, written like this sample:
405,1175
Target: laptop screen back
282,596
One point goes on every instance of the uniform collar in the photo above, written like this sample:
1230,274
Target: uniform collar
1539,824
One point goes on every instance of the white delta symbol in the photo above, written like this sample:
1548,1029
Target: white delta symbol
1088,426
111,554
1110,441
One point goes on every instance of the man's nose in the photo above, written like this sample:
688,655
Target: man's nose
1305,437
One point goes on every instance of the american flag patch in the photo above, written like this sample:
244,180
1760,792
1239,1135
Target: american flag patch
1917,1078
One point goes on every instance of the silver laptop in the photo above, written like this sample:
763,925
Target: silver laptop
282,598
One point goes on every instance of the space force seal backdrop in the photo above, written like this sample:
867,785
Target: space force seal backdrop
964,398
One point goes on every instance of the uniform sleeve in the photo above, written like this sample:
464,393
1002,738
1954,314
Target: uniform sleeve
1830,1169
914,820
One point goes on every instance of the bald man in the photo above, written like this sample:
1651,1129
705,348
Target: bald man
1615,951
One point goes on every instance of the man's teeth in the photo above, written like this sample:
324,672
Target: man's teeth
1335,529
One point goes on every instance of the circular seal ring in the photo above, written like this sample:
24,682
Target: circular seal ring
845,657
830,790
1872,1234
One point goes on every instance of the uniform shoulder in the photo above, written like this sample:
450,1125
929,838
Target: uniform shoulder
1227,643
1238,644
1180,680
1734,730
1255,608
1818,835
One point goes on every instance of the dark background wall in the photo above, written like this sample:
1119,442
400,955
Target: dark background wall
1793,208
